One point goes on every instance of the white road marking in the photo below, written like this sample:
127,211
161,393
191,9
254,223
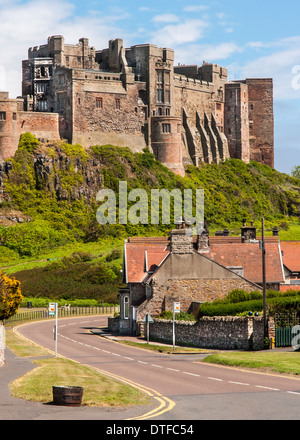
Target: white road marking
238,383
191,374
267,388
172,369
157,366
293,392
215,378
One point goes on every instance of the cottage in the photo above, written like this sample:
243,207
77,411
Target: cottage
160,271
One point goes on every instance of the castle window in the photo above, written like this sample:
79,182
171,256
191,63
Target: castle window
251,107
167,111
2,116
159,94
159,77
118,104
42,105
41,87
167,95
159,111
229,130
99,103
14,116
219,106
166,128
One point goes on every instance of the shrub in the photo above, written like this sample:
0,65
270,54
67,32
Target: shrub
28,142
182,316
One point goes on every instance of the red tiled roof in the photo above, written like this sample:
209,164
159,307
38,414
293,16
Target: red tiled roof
143,257
291,255
227,251
249,256
286,287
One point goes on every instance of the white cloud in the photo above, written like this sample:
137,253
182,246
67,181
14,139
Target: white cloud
198,53
166,18
178,34
29,24
281,65
195,8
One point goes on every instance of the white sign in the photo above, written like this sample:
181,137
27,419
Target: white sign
52,309
177,307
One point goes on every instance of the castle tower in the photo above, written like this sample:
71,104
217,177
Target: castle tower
9,127
236,120
166,142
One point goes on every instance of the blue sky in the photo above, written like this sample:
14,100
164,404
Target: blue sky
260,38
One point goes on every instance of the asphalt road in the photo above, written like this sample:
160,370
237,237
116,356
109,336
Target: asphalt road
181,388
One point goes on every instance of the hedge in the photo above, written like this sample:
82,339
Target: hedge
274,305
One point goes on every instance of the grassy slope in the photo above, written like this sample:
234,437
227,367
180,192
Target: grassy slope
233,191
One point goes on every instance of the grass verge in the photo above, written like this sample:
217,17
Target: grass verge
36,385
99,390
285,363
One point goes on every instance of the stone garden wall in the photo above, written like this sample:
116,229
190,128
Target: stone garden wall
223,333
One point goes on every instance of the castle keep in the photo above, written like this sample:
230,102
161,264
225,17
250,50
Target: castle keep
136,97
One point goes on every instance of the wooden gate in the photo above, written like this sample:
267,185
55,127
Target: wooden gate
284,323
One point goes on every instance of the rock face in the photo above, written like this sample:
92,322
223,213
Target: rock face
67,177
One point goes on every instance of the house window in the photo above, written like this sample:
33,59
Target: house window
99,103
126,307
2,116
166,128
118,104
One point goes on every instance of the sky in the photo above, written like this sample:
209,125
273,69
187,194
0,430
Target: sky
257,39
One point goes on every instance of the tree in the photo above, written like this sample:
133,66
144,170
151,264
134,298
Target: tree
296,172
10,296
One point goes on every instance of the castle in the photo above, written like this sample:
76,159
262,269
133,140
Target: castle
136,97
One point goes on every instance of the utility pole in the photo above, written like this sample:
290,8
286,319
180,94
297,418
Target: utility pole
263,248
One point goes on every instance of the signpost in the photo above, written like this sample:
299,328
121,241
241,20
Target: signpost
176,309
53,312
148,320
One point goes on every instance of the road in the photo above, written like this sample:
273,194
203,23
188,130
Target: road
181,387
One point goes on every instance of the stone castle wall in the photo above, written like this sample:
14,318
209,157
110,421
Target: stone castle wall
115,95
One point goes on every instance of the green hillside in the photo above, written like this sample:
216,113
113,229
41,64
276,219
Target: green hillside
49,210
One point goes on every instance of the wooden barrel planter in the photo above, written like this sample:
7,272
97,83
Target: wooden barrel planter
67,395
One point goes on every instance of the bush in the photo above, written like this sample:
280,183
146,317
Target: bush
182,316
28,142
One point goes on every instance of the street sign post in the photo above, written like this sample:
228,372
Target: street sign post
53,312
176,309
148,320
